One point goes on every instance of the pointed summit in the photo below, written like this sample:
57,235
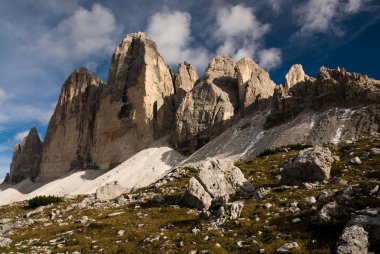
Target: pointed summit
254,84
26,158
295,76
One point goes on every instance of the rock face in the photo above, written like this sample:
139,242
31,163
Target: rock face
225,91
109,191
214,183
310,165
333,87
136,107
209,108
26,158
184,81
255,85
69,136
99,126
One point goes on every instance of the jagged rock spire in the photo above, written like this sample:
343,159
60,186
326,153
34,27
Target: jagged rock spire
26,158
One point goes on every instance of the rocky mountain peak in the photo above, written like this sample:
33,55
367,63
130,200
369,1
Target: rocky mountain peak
184,81
295,76
220,66
254,84
26,158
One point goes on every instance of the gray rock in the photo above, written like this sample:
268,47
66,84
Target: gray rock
214,183
230,211
109,191
354,241
328,212
374,151
286,247
356,161
5,242
310,165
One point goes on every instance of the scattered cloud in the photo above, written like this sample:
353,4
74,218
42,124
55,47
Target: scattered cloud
326,15
270,58
239,31
3,96
275,5
171,30
84,33
21,135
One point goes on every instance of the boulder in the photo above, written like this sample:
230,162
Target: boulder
374,151
369,219
214,183
5,242
328,213
26,158
354,241
310,165
287,247
230,211
109,191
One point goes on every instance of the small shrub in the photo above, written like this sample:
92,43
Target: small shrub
286,148
43,200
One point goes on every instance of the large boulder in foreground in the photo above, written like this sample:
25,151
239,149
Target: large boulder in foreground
310,165
109,191
214,183
354,240
26,158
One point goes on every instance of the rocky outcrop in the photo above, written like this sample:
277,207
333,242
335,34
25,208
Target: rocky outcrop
69,137
109,191
255,85
226,91
310,165
136,107
214,183
184,81
208,109
333,87
26,158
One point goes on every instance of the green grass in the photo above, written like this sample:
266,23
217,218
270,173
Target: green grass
43,201
173,223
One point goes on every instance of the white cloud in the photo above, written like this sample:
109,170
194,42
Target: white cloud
275,4
354,6
21,135
239,31
172,33
326,15
84,33
3,96
270,58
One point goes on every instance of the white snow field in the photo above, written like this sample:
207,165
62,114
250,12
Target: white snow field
142,169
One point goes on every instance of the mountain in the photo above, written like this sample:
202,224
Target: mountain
234,109
177,162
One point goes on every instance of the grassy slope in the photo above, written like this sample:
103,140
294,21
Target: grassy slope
173,224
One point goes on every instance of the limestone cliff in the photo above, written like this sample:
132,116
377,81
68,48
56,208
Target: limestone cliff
255,86
331,88
26,158
99,126
136,107
69,136
184,81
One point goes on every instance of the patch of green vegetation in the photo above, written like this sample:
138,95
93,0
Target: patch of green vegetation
43,200
285,148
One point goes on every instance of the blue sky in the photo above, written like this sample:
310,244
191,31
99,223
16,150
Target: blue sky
41,42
